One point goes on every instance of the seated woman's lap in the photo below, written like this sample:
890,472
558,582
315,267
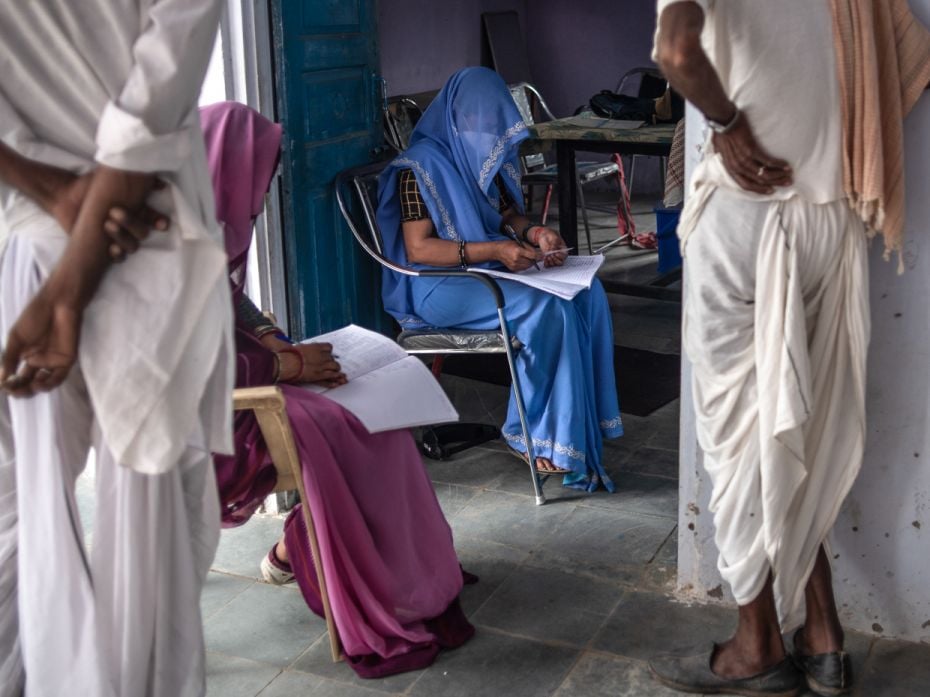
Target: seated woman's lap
465,304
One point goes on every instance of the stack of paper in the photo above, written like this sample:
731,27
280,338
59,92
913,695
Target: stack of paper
387,389
566,281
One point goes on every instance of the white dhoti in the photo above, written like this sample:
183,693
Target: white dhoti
11,665
776,323
123,620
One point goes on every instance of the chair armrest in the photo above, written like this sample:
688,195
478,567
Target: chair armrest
488,281
264,398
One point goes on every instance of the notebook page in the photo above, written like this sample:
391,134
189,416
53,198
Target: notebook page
399,395
359,351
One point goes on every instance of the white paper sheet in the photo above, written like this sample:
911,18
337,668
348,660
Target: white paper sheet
566,281
359,350
387,389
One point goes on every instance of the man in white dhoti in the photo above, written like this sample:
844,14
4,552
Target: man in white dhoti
776,316
133,360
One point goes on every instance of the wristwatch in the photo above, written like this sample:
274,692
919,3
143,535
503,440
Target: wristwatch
723,128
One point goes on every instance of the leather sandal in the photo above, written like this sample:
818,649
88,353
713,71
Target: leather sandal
827,674
693,674
522,456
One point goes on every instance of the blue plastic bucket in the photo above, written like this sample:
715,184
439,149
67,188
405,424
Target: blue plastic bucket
666,229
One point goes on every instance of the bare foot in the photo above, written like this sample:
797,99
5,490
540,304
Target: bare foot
544,464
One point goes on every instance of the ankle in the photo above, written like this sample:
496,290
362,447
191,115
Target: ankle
280,553
745,657
821,637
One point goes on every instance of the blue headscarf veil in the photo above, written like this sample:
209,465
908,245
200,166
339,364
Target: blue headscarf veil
470,133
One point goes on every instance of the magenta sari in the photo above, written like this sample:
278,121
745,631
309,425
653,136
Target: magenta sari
385,546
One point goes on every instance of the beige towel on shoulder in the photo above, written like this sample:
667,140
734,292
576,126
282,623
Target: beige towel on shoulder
883,54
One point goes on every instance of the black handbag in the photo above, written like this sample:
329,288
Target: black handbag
668,108
610,105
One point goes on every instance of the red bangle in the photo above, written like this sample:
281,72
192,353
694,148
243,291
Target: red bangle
299,355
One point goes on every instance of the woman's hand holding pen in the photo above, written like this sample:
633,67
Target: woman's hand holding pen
551,245
516,257
314,363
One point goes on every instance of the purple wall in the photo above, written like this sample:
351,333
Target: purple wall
576,48
424,41
580,47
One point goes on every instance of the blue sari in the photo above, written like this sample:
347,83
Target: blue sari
469,135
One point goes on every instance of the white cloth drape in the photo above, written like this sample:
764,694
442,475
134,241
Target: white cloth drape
776,323
123,620
11,666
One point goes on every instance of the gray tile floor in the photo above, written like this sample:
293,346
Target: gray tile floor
573,597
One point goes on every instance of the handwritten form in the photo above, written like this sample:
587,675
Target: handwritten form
566,281
387,389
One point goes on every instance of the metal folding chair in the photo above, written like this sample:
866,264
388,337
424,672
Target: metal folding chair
401,114
357,195
537,172
652,83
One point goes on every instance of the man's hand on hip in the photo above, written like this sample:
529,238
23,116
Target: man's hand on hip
748,163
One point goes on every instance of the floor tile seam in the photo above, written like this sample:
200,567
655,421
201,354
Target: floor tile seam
482,540
263,664
601,653
641,473
658,447
495,590
267,684
551,643
324,637
668,537
229,601
622,585
568,673
869,655
623,508
337,681
589,645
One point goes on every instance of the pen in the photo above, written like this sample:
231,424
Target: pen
513,235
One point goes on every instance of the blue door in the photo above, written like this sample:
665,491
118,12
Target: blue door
329,102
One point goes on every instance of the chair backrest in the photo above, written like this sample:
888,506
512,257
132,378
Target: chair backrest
530,104
401,114
652,83
357,197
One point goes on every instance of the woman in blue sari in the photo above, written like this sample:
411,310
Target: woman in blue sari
453,199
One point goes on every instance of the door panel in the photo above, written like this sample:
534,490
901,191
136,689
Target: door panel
329,103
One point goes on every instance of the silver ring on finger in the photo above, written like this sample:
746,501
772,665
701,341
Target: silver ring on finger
761,171
43,373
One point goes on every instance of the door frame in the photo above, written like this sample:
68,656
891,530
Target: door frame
249,71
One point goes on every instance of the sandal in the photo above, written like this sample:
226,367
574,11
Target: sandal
645,240
275,571
827,674
522,456
694,674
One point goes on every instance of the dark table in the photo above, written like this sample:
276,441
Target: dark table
593,134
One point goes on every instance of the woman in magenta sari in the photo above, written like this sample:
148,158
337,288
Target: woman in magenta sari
387,554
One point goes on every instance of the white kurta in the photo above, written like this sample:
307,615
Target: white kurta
776,316
115,82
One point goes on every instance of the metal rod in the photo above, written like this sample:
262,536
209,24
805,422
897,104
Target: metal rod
518,398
